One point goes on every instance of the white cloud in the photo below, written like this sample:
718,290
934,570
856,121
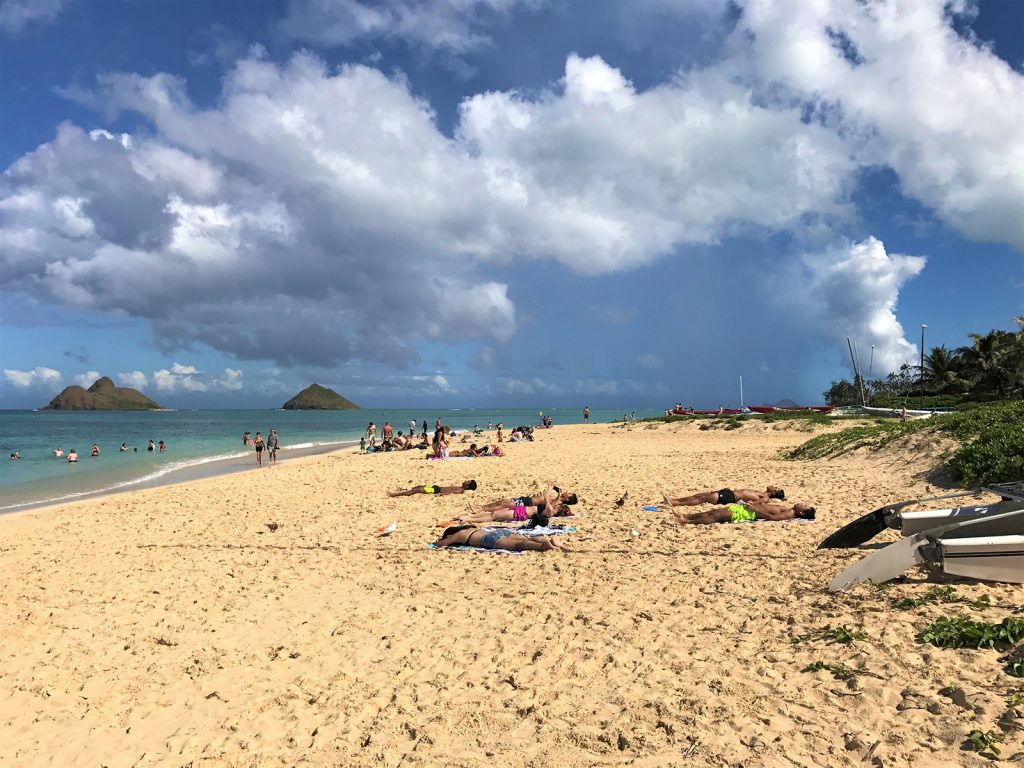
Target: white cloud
180,378
15,15
133,379
37,376
852,291
231,381
909,92
87,379
534,386
453,25
650,362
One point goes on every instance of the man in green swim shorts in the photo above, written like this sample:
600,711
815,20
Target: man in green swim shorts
436,490
748,512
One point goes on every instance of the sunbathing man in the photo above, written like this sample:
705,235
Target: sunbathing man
436,490
750,511
494,538
727,496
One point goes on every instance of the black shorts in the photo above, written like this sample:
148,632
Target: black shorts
726,496
259,449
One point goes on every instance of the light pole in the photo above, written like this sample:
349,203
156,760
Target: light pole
920,375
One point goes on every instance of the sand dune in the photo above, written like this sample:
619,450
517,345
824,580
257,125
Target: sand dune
172,627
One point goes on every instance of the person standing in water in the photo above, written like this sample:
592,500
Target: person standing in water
257,444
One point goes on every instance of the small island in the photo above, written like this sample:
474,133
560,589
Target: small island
101,396
317,398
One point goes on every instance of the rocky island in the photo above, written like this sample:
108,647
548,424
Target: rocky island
317,398
101,396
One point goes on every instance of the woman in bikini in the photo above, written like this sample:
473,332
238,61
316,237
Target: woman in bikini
436,490
538,500
495,538
517,513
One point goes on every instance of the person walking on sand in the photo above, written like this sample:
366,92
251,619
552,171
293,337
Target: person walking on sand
257,444
748,512
495,538
727,496
586,414
273,443
436,490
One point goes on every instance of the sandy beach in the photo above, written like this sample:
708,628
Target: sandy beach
171,626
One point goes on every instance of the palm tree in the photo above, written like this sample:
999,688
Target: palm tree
991,362
942,370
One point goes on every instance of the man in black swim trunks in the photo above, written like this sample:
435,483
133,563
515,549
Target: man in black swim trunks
727,496
436,490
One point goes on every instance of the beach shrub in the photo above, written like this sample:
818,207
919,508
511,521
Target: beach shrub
841,634
839,671
964,632
991,437
986,741
940,594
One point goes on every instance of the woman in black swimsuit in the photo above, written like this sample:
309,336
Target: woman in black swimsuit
494,538
257,443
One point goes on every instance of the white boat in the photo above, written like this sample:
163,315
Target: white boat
979,548
894,413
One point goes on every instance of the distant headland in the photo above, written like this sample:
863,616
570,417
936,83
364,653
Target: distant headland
317,398
101,396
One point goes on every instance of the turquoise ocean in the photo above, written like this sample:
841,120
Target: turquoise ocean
199,443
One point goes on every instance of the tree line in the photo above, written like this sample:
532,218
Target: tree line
991,367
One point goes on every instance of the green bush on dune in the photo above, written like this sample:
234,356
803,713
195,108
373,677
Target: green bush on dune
991,437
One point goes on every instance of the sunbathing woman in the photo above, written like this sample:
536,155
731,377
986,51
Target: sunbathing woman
727,496
751,511
494,538
538,500
436,490
514,514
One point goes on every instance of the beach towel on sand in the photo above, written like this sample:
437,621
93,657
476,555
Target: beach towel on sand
539,531
477,549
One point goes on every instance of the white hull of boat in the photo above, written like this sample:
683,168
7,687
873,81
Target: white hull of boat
990,558
894,413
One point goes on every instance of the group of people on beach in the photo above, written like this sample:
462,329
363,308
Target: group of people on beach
532,510
258,444
439,446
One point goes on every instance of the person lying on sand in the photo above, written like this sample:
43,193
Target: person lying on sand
495,538
727,496
750,511
517,513
538,500
436,490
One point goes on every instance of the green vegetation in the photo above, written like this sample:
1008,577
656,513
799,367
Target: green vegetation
841,634
990,367
991,437
942,594
986,741
101,396
964,632
317,398
839,671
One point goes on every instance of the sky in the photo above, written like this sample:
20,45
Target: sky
522,203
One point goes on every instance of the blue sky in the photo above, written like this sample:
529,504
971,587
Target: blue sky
514,202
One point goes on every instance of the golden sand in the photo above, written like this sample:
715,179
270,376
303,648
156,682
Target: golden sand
171,627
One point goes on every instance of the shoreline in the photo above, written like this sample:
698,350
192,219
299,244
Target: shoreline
200,470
